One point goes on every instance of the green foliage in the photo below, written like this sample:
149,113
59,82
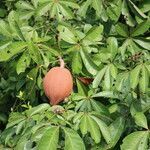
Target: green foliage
107,41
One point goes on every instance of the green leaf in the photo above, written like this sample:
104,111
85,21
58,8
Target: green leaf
121,79
134,76
136,141
76,62
143,43
3,118
99,77
114,10
141,28
38,109
125,11
24,5
83,9
65,11
140,120
34,52
108,94
94,34
97,5
3,12
144,79
70,3
20,126
55,52
72,140
14,119
89,64
49,140
4,29
67,34
122,29
11,50
84,125
104,129
134,7
14,22
116,129
112,46
107,79
93,128
113,71
43,8
145,6
99,107
23,63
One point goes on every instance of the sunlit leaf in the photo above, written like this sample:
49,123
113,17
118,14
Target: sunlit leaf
72,140
136,141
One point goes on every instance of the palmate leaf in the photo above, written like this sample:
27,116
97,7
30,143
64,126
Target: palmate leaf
15,25
84,124
94,34
140,120
141,28
11,50
15,118
145,7
28,9
60,9
112,46
99,77
34,52
37,109
67,34
83,9
125,11
121,79
82,90
89,64
5,29
108,94
97,5
76,62
134,76
144,79
114,10
50,139
134,8
23,62
136,141
88,124
93,129
145,43
107,79
122,29
72,140
116,129
104,129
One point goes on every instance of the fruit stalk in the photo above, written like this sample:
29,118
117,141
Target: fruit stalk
62,63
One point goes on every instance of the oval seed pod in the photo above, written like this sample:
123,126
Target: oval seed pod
58,83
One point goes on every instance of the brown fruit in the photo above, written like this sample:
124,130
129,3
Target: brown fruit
58,84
